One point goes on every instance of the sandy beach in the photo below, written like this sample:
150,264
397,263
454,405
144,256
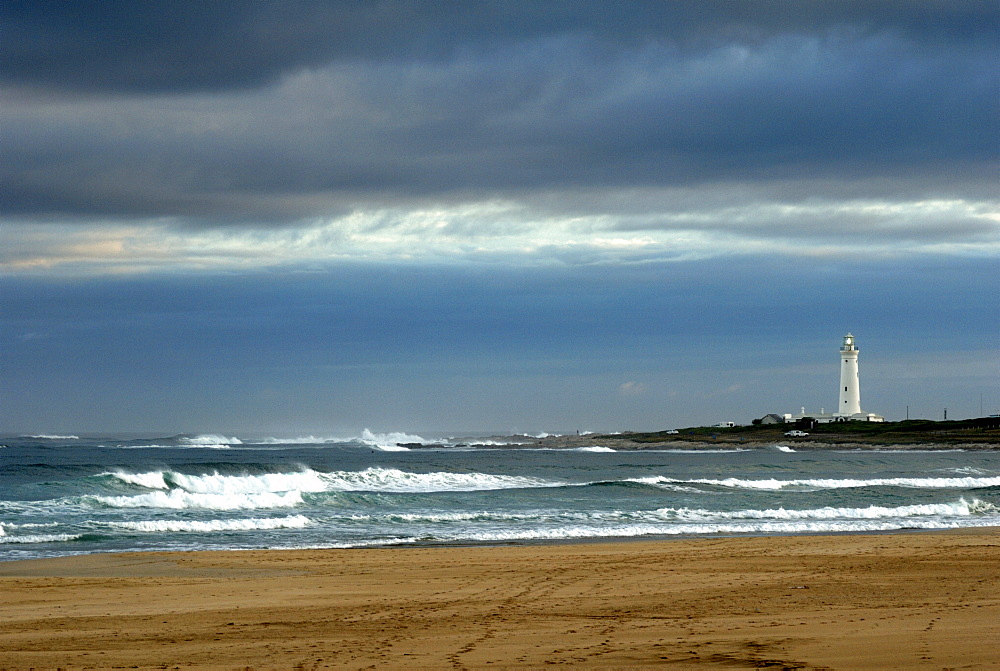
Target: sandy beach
845,601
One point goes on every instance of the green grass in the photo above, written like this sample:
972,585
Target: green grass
984,429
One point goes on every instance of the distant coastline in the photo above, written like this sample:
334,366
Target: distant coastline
973,434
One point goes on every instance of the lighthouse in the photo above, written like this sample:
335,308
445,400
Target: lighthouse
849,407
850,386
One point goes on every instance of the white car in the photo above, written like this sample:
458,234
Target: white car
795,433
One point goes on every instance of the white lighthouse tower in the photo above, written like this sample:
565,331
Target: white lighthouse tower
850,385
849,407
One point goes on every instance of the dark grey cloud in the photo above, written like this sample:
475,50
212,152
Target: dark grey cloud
551,113
542,126
192,45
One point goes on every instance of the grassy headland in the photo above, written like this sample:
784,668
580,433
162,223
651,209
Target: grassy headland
980,433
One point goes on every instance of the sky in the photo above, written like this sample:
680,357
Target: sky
311,218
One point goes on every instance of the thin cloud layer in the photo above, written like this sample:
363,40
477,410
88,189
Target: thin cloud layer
257,133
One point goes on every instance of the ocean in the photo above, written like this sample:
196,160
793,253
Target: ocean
63,495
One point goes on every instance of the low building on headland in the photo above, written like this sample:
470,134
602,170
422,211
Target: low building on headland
849,406
773,419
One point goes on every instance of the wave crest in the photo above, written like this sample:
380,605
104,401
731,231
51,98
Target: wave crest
179,499
279,490
828,483
397,481
210,440
251,524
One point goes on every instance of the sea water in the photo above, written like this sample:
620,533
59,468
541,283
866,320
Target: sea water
62,495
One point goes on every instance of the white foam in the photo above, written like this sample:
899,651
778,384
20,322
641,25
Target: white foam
391,448
152,480
45,436
493,443
937,512
376,542
302,440
299,481
698,450
388,441
28,525
822,483
251,524
783,448
271,490
966,470
217,492
394,480
595,448
41,538
179,499
582,531
210,440
214,483
960,508
765,527
443,517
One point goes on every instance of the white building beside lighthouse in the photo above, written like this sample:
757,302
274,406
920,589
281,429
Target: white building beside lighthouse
849,406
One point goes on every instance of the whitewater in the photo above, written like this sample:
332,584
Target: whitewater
67,494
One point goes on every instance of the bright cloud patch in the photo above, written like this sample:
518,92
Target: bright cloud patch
520,233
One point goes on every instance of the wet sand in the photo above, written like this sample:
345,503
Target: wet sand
875,601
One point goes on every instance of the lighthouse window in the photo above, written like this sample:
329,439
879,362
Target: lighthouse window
845,388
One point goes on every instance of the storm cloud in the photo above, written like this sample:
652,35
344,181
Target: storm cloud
277,114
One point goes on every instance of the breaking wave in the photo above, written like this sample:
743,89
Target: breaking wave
179,499
959,508
397,481
282,490
829,483
252,524
389,442
38,538
301,440
214,483
209,440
